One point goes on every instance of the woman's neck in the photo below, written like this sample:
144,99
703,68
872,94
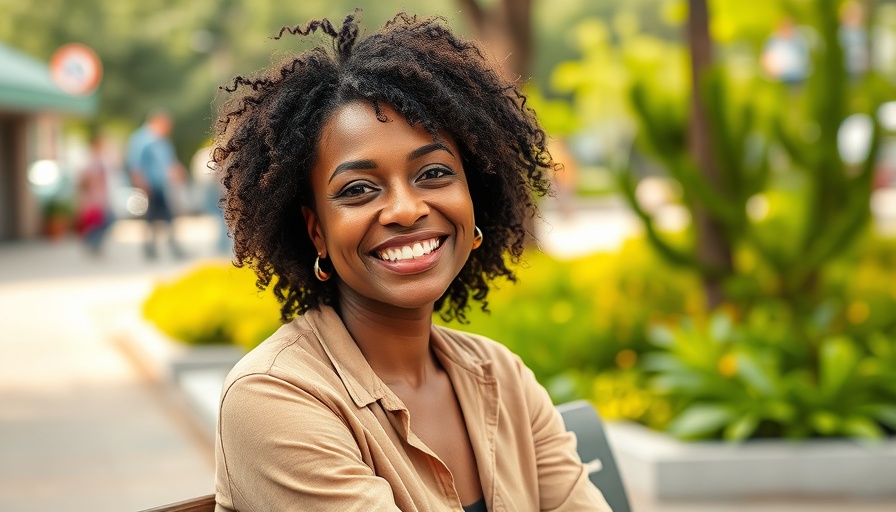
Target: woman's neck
395,341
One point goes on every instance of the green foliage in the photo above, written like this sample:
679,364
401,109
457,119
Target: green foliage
758,378
823,367
213,303
569,320
747,133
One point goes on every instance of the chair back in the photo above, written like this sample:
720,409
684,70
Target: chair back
581,419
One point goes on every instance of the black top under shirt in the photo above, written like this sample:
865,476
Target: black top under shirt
479,506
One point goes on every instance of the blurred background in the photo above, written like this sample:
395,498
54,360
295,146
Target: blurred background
717,261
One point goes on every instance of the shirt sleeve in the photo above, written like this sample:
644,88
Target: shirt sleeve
563,481
282,449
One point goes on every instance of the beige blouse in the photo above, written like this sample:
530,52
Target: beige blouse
306,425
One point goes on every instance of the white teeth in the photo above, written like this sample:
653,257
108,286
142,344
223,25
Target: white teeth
410,251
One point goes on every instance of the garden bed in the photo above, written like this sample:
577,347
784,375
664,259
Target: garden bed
661,467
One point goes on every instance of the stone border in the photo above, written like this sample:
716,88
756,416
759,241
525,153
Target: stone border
657,465
197,371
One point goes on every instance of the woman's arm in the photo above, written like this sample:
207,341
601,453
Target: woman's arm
562,479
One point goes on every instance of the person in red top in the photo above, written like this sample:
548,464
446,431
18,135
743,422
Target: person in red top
94,215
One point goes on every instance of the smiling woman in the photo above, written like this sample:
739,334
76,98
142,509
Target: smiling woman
371,186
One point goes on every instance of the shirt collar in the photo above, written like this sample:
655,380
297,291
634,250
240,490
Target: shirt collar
353,369
364,386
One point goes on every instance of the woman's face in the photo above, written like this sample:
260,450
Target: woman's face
393,211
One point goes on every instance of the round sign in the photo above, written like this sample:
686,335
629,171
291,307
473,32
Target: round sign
76,69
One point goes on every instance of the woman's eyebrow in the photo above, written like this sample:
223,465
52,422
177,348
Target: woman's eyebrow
352,165
429,148
370,164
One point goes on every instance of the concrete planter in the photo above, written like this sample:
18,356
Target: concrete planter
663,468
198,371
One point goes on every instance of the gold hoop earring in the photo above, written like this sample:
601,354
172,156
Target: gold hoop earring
477,238
320,274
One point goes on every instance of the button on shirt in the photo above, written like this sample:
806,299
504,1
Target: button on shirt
305,424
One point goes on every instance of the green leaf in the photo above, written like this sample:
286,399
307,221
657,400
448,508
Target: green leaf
661,336
861,427
838,360
779,410
742,428
825,422
751,370
661,362
685,383
700,420
880,345
720,327
884,413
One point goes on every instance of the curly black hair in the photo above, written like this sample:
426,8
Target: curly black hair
266,140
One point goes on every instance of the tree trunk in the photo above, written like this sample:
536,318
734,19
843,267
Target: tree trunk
713,248
506,31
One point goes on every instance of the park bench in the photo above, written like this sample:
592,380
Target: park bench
579,418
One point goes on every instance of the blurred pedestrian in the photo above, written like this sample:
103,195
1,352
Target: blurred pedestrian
94,214
785,56
854,39
153,167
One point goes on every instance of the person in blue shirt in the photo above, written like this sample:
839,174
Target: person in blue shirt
152,165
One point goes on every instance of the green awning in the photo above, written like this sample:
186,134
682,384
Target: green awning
26,86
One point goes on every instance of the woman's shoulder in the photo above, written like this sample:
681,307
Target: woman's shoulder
287,354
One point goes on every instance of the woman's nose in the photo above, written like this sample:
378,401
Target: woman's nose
404,206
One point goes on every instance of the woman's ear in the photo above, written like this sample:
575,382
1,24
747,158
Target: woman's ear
312,223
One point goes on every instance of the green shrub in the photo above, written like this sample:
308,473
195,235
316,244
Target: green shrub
587,315
762,377
820,365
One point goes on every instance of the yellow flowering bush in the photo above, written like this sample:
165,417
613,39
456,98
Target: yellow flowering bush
214,303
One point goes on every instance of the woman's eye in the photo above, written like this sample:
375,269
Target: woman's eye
355,189
435,172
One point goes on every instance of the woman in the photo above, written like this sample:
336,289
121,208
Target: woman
370,187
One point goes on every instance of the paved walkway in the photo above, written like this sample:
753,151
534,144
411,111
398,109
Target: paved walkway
82,429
